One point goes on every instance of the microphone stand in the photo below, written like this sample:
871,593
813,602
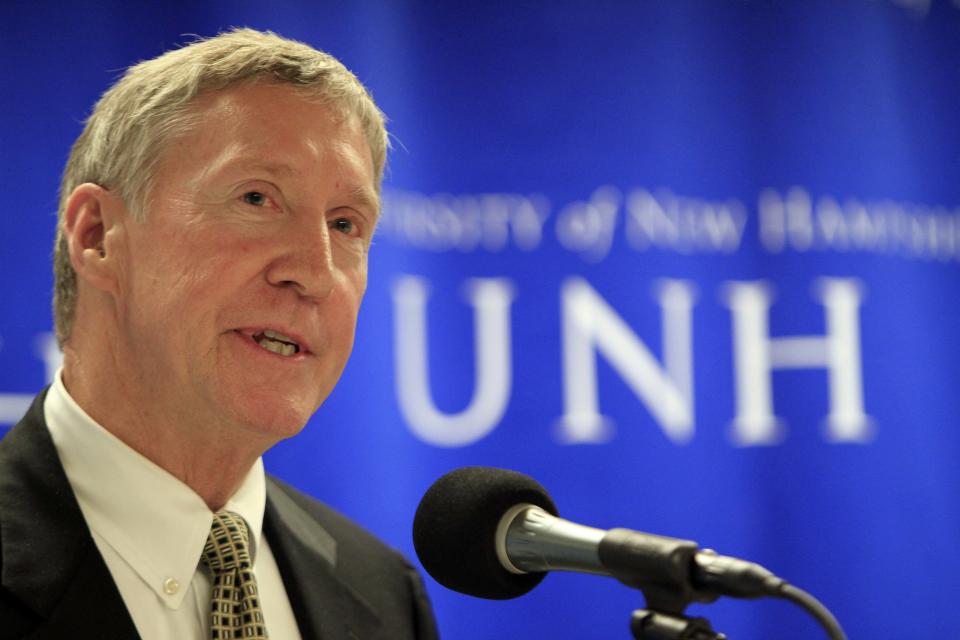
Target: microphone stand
660,568
651,625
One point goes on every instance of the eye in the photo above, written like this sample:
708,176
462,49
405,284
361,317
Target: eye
255,198
343,225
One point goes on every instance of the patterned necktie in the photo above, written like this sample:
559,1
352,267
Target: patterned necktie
235,611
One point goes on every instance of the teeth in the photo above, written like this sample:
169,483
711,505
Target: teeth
281,348
276,342
278,336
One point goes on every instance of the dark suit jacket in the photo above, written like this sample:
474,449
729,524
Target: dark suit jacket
343,583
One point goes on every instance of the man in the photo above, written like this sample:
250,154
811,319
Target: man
214,224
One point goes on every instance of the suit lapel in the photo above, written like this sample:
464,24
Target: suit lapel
325,607
50,563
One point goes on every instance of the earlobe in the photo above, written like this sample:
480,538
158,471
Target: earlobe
90,215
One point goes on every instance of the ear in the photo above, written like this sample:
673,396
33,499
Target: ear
92,217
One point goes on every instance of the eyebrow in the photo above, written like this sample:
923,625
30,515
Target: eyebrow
275,168
367,197
245,164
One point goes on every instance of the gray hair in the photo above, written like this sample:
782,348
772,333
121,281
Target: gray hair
151,104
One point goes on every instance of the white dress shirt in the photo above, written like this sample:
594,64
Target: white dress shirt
150,528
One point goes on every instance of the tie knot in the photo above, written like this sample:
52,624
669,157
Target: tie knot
227,545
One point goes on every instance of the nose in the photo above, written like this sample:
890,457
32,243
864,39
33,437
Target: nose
305,262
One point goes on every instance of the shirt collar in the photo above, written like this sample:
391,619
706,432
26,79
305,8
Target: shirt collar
155,522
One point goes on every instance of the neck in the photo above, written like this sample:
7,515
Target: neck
205,455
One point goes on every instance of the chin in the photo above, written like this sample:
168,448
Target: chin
274,419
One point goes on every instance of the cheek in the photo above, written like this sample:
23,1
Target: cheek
176,289
341,317
363,276
354,297
355,269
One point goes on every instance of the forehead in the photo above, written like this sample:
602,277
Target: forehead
274,126
263,99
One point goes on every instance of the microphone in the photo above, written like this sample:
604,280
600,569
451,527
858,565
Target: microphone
494,533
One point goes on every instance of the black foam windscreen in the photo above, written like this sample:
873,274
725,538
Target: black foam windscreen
455,527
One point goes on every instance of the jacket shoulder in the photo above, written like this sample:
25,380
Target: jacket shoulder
374,572
347,534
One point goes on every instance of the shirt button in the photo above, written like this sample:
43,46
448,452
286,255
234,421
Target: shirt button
170,586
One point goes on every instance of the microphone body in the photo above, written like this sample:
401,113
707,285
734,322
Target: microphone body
529,539
494,533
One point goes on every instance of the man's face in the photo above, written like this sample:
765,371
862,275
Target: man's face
238,296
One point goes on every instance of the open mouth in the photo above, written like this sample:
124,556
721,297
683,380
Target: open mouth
276,342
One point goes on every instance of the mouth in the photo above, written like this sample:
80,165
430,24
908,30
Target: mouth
275,342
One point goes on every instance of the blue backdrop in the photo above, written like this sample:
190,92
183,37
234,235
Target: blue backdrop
689,263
